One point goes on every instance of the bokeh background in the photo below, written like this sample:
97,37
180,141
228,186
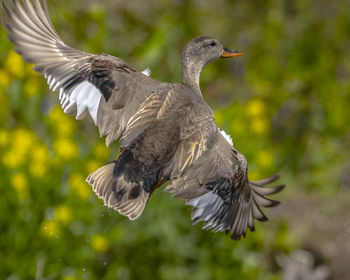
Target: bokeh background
285,102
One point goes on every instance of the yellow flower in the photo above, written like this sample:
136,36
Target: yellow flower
38,169
65,149
20,185
69,278
259,125
50,228
255,107
92,165
5,78
101,151
12,159
40,153
19,182
40,160
15,64
21,144
4,138
265,158
219,118
64,125
79,186
31,87
64,214
30,70
56,114
99,243
23,140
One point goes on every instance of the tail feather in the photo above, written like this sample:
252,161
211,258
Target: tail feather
128,198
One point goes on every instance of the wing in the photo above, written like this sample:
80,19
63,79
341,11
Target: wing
216,185
103,86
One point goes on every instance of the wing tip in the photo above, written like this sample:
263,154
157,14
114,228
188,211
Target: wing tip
267,180
239,216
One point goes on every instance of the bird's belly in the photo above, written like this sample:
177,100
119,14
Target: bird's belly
149,156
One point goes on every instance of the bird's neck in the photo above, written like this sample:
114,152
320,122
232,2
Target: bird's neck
190,74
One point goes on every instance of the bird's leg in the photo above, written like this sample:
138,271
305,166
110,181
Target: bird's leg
160,182
121,151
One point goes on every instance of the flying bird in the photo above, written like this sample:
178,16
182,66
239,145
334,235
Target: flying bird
167,132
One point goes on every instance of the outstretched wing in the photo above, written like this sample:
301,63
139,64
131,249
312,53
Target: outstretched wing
216,184
103,86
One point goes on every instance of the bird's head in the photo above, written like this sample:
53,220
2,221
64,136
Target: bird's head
202,50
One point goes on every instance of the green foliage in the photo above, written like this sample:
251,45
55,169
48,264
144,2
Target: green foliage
285,103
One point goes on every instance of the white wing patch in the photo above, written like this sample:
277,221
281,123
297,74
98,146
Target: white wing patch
207,205
84,96
147,72
227,137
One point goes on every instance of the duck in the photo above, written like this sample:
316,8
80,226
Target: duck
166,131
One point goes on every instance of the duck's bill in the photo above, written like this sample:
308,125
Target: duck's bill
227,53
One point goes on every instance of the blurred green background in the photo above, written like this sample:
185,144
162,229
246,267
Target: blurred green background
285,103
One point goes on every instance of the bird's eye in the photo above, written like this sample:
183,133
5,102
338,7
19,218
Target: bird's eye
213,44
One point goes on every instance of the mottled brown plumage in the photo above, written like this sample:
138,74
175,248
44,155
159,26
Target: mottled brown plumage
167,131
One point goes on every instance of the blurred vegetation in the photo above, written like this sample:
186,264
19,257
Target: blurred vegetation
285,102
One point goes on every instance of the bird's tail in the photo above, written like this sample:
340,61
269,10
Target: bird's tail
129,198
